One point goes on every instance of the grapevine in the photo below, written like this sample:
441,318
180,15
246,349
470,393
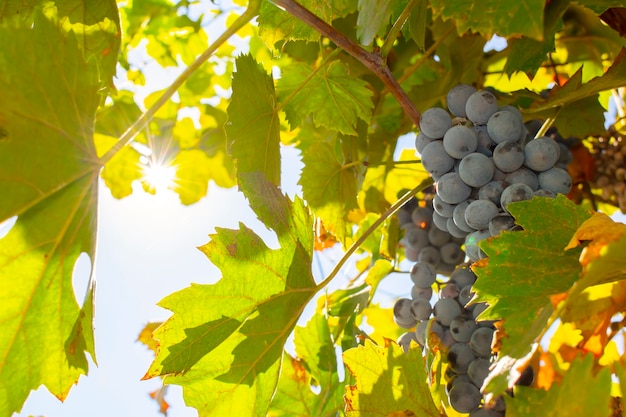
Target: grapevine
425,191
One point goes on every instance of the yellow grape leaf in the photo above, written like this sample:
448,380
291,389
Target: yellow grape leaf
599,230
145,336
389,382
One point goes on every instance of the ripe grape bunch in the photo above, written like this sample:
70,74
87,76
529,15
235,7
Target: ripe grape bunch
481,159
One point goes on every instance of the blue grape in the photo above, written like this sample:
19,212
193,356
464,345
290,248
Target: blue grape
459,216
445,310
508,156
402,313
476,169
423,274
429,254
457,98
478,371
480,342
435,159
421,141
454,230
462,328
460,356
449,290
472,240
435,122
541,154
484,140
451,253
425,293
465,397
442,207
422,217
505,126
459,141
544,193
501,222
465,295
463,277
420,309
523,176
438,237
480,106
414,237
440,222
556,180
479,213
491,191
515,192
452,189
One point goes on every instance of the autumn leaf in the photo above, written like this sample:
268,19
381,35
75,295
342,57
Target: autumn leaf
224,342
388,381
598,231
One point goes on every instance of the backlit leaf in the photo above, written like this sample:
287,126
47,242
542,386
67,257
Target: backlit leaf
388,381
316,366
335,99
253,128
225,341
329,186
277,25
374,17
48,179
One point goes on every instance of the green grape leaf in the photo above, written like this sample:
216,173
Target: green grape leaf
374,17
225,341
114,119
527,54
49,180
575,104
276,25
253,127
583,392
122,170
524,17
316,366
96,25
335,99
194,169
389,382
524,269
329,186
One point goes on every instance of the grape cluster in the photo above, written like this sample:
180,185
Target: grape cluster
609,154
482,157
467,341
481,162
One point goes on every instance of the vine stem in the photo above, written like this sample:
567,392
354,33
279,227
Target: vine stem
372,61
357,243
250,12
